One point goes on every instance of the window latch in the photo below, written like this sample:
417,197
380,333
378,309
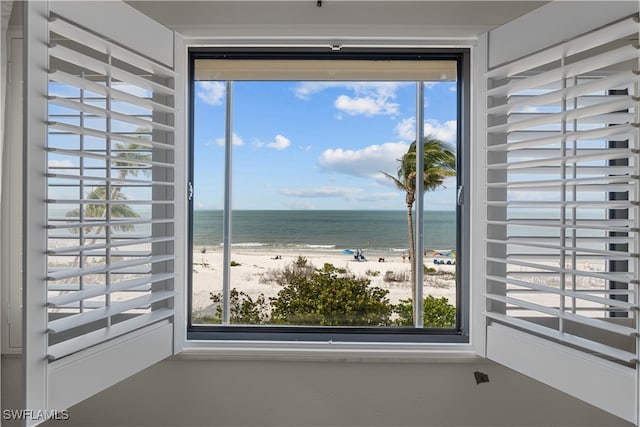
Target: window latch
190,191
460,197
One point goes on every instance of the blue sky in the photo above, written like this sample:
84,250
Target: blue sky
315,145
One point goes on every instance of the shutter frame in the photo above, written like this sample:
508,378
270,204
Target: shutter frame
56,372
520,162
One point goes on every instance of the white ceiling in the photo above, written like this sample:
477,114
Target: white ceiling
339,18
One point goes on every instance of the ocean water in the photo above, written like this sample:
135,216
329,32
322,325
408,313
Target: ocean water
378,232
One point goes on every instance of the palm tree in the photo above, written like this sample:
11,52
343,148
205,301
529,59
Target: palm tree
131,160
439,163
98,210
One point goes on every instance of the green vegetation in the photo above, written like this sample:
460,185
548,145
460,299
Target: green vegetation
234,263
327,296
330,297
438,313
243,310
300,261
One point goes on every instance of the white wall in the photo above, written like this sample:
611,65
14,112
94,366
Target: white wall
279,393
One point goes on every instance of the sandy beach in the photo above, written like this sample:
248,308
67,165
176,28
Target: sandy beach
251,270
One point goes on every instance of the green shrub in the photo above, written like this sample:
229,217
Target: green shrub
329,297
438,313
234,263
243,309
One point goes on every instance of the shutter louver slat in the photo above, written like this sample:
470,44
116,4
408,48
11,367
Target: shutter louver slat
581,68
112,245
71,32
69,129
65,78
519,101
73,321
530,139
93,66
86,108
95,291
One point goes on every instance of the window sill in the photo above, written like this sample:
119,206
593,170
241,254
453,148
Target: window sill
329,352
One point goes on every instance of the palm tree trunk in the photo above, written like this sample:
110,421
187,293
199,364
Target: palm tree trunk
412,259
114,192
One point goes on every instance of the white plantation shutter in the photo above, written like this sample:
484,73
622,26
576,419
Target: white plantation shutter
562,215
100,160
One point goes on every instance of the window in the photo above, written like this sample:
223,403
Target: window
299,216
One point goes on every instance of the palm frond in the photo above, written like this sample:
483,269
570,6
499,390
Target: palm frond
395,180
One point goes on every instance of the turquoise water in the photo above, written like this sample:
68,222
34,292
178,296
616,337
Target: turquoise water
379,232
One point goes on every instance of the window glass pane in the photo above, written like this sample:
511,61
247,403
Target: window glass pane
320,227
440,204
208,198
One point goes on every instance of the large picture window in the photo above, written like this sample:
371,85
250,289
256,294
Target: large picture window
308,219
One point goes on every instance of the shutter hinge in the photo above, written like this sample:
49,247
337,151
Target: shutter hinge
460,198
190,191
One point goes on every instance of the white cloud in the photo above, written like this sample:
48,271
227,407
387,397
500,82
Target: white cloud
235,140
55,164
406,129
279,143
366,162
305,89
133,90
345,193
366,98
446,131
367,105
211,93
